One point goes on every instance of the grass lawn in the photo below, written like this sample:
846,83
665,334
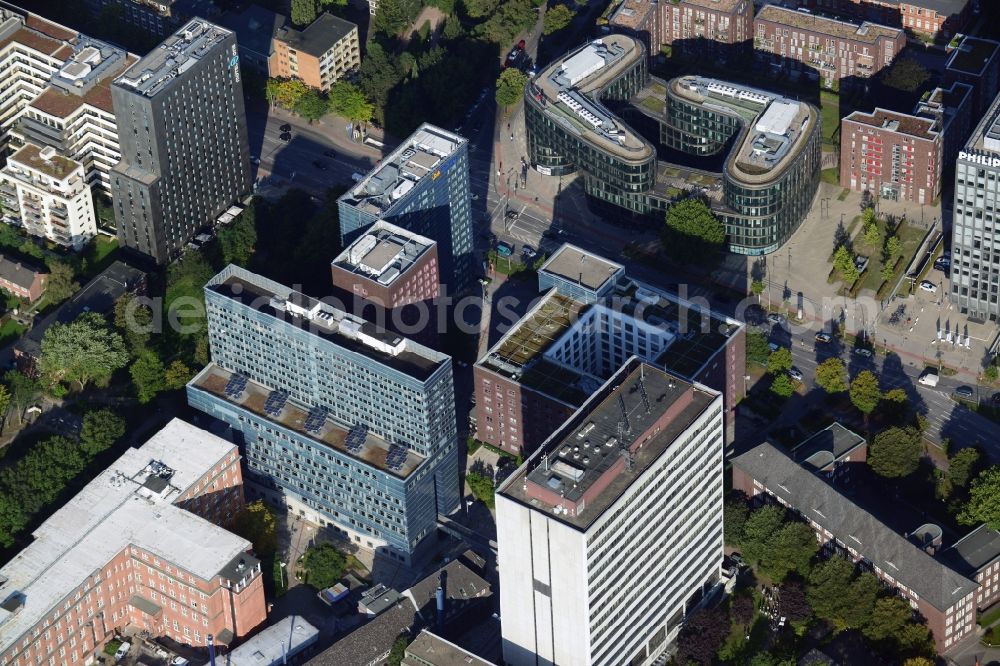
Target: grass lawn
831,175
910,239
100,256
986,619
992,637
652,104
506,265
10,331
830,113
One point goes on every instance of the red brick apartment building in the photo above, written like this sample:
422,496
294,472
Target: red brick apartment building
893,155
939,18
720,28
832,49
140,546
945,596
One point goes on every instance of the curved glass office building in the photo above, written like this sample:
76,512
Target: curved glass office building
771,144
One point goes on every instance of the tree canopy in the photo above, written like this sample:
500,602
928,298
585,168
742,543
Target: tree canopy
865,393
906,75
303,12
893,629
734,516
324,565
984,500
510,86
147,376
311,105
756,348
693,232
285,92
392,16
701,637
758,530
781,385
84,350
838,596
347,100
843,261
101,429
963,466
61,284
895,452
257,524
831,375
779,361
556,18
238,238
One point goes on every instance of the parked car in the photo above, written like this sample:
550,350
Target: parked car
529,252
123,651
504,249
286,136
738,560
861,263
795,373
179,661
929,378
863,352
319,164
329,152
773,346
776,319
823,337
964,392
285,127
927,285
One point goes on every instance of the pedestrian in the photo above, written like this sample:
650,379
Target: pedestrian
508,127
511,136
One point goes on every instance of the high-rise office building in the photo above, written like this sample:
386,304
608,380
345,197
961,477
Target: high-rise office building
612,531
183,136
341,421
975,276
423,187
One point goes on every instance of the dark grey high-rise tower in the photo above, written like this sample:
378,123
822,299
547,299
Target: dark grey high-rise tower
182,130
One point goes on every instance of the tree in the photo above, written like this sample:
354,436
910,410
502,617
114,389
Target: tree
757,288
836,596
896,395
82,351
5,400
323,565
963,466
984,500
398,651
452,28
865,394
758,530
147,376
734,516
285,92
906,75
510,86
238,238
757,350
893,248
790,549
701,637
556,18
480,8
693,232
347,100
792,602
781,385
61,284
303,12
101,429
133,319
392,16
895,452
871,233
918,661
177,375
23,391
843,261
888,617
481,486
780,361
741,610
831,375
311,105
257,524
378,76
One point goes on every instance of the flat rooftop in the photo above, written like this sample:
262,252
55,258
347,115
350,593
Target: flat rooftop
867,33
776,128
129,503
973,55
418,156
319,36
92,61
44,160
327,322
584,268
582,466
894,121
274,645
158,70
383,253
830,444
256,398
853,526
567,91
986,136
61,103
717,5
431,648
631,13
35,41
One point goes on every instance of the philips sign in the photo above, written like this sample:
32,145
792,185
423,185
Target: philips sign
982,160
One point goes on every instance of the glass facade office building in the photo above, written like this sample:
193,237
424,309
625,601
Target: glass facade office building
343,422
975,240
423,187
760,206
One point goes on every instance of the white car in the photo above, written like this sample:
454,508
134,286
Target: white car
927,285
123,651
863,352
795,373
